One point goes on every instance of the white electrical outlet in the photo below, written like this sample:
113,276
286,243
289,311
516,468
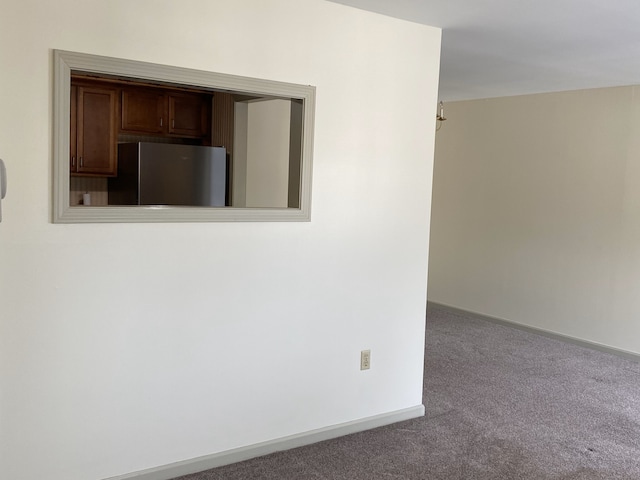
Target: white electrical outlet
365,359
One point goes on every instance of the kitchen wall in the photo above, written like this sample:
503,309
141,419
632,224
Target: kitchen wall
536,212
267,160
125,347
96,187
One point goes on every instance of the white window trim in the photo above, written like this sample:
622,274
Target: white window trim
64,62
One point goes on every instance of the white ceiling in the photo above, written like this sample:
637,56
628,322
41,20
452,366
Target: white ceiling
494,48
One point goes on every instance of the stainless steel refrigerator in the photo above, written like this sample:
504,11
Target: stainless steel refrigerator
168,174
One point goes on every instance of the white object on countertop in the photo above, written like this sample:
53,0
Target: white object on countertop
86,199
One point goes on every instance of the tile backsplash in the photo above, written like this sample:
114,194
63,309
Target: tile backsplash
96,186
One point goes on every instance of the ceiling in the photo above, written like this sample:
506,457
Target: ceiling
495,48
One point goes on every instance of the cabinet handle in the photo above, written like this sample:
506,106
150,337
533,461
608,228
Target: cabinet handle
73,162
81,161
161,122
173,123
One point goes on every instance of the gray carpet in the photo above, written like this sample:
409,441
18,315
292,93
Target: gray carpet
501,404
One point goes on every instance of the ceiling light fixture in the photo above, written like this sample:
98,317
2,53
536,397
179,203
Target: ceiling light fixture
440,116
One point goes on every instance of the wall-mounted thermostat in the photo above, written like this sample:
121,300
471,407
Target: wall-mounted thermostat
3,184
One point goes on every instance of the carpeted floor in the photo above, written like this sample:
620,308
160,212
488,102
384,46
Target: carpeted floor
501,404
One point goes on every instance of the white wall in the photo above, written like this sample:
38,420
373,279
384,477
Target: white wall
536,212
123,346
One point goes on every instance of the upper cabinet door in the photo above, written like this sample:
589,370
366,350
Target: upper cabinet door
143,111
96,131
188,114
73,130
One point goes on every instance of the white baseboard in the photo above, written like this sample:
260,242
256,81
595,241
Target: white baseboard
186,467
540,331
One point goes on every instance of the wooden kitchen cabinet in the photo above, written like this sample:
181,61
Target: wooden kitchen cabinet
73,130
103,109
160,112
93,130
143,111
188,114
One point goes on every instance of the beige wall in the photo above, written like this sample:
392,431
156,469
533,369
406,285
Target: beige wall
536,212
125,347
261,153
268,135
240,144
